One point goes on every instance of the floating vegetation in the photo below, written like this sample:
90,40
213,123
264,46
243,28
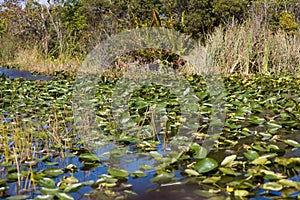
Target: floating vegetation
256,156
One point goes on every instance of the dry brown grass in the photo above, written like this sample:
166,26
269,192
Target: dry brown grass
254,48
33,60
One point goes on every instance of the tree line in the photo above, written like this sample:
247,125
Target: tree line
74,27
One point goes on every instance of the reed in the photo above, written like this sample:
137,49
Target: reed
252,47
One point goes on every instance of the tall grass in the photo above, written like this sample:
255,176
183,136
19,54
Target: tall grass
254,48
34,60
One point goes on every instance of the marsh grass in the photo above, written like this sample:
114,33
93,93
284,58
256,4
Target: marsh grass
20,139
33,60
254,48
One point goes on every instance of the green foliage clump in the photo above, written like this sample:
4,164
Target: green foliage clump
287,23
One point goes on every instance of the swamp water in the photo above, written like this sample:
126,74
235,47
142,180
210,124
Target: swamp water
256,156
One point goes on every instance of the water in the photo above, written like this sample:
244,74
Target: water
15,73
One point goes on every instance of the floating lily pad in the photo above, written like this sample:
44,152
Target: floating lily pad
88,157
53,172
44,197
120,173
18,197
191,172
227,160
64,196
139,173
47,182
163,178
251,155
73,187
272,186
206,165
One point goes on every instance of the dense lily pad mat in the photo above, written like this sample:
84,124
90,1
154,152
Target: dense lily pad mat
257,155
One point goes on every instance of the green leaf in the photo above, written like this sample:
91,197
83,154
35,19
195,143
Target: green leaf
260,161
227,160
119,173
49,190
18,197
272,186
199,152
251,154
155,155
206,165
64,196
241,193
44,197
53,172
191,172
139,173
88,157
212,180
163,178
292,143
47,182
226,170
73,188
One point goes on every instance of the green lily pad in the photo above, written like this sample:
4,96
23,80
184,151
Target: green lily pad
260,161
13,176
251,154
63,196
227,160
73,188
212,180
18,197
44,197
191,172
292,143
139,173
206,165
198,151
272,186
241,193
51,191
227,170
163,178
2,183
46,182
120,173
155,155
53,172
88,157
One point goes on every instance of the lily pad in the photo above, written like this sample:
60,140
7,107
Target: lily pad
18,197
64,196
73,187
163,178
191,172
46,182
53,172
119,173
88,157
206,165
139,173
227,160
251,154
272,186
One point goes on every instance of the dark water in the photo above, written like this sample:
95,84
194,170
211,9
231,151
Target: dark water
15,73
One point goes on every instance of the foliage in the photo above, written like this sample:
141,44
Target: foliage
287,23
63,32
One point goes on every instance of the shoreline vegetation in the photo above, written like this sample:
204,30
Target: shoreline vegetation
254,37
245,48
